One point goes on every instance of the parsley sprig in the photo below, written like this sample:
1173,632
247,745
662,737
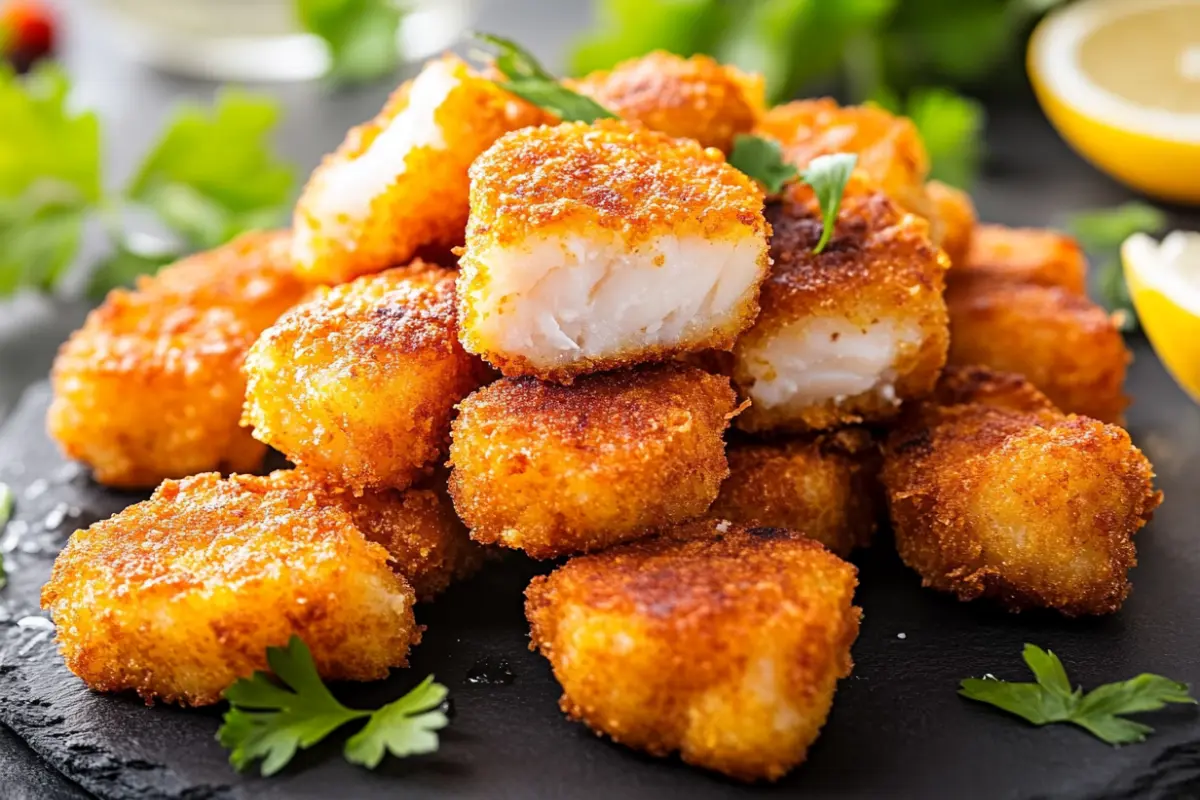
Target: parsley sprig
271,719
1100,711
528,79
362,36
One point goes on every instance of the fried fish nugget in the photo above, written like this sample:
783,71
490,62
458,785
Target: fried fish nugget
151,386
825,487
358,384
592,247
398,184
553,469
1025,255
956,213
179,596
846,335
1065,344
653,649
889,148
1012,500
690,98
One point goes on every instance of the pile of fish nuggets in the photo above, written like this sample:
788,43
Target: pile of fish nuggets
630,359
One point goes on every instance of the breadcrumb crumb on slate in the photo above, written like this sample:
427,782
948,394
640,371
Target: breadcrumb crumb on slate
846,335
151,386
999,495
1025,255
553,469
359,383
690,98
824,486
1062,342
721,642
397,186
956,212
592,247
179,596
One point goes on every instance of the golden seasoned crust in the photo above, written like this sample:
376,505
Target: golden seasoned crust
607,176
973,384
878,266
555,469
721,642
1065,344
151,386
359,383
1012,500
179,596
425,206
1025,255
825,487
692,98
957,214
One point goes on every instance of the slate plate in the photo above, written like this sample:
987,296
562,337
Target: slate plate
897,730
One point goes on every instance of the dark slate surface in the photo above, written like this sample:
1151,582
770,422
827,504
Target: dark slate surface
897,728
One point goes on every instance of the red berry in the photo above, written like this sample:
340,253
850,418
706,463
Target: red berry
26,31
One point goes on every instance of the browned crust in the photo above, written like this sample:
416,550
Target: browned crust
1025,255
957,214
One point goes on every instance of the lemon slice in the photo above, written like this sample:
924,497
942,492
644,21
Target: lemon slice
1164,283
1120,80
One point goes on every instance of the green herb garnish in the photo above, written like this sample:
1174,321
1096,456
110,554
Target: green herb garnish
361,35
762,159
270,721
1101,232
6,508
1051,699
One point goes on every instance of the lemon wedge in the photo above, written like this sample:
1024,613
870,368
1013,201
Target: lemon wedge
1164,283
1120,80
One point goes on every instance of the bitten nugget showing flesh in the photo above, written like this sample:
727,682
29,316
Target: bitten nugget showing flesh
889,148
359,383
151,386
846,335
956,213
825,487
1002,496
1025,255
553,469
691,98
398,184
1065,344
720,642
179,596
592,247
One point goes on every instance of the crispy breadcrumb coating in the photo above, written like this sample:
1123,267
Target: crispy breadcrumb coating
956,212
889,148
179,596
690,98
1065,344
398,184
592,247
151,386
825,487
846,335
359,383
721,642
553,469
1011,500
1025,255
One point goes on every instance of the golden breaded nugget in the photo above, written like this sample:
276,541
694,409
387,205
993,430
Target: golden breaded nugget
179,596
889,148
553,469
359,383
398,184
983,386
825,487
1025,255
691,98
1011,500
1065,344
957,214
151,386
592,247
846,335
721,642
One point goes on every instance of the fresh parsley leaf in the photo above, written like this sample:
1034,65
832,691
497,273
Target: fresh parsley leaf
362,35
6,507
213,175
1101,232
1099,712
952,127
270,718
630,28
529,80
827,175
762,159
